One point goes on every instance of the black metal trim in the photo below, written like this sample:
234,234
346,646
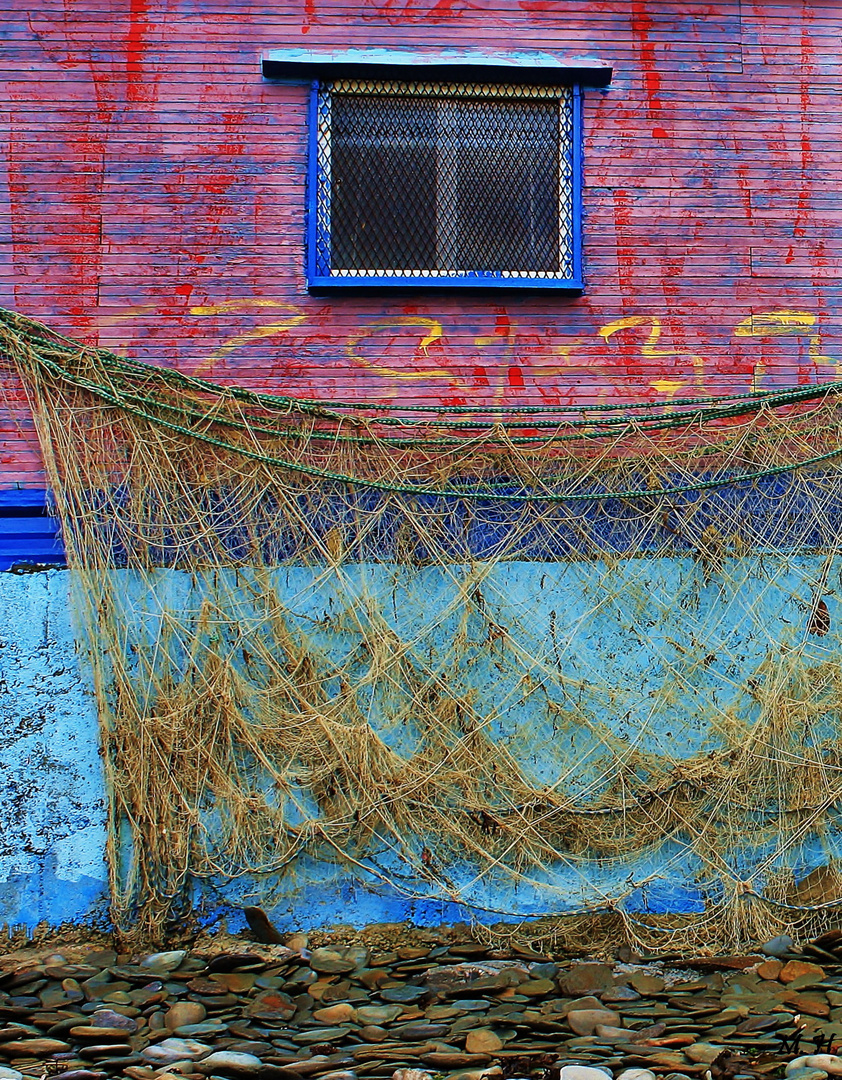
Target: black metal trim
307,70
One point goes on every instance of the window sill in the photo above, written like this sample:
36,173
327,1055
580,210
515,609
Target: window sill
475,284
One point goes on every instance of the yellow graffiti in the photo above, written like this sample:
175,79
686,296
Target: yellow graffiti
262,330
646,334
628,323
772,323
669,387
785,322
434,333
227,306
651,350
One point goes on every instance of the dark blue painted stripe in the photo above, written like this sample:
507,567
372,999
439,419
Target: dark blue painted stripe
781,513
34,499
29,533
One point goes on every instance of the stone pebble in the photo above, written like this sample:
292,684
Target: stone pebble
343,1013
830,1063
184,1013
164,961
585,1021
230,1061
701,1052
583,1072
778,946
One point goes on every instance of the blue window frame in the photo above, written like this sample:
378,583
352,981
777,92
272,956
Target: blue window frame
443,184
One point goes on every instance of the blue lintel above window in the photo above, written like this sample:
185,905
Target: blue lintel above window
446,169
442,65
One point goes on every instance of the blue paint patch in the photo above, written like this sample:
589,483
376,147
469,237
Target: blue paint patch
765,516
661,898
43,897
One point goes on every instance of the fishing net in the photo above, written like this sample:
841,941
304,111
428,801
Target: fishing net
542,663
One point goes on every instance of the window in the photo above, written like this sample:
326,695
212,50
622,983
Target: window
444,184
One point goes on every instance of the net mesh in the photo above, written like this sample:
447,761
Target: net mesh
561,658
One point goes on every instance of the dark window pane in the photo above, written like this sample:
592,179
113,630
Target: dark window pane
449,185
505,207
383,183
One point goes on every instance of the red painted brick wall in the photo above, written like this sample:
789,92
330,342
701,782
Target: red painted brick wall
152,200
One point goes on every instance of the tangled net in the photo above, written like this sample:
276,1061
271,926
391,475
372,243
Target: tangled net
456,651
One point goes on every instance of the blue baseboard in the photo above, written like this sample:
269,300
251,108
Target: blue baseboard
30,534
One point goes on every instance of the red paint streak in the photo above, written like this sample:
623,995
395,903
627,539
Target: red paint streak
309,16
672,279
400,12
135,90
806,70
642,28
804,115
626,258
744,185
503,325
219,185
444,8
659,133
481,377
515,378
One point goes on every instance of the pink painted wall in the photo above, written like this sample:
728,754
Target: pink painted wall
152,200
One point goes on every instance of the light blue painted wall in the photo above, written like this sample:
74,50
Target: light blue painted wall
662,655
52,796
644,616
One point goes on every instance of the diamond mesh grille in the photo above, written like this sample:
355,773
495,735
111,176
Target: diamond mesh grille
434,180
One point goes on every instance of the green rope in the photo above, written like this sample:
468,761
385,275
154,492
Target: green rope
437,441
516,416
582,429
143,407
417,489
754,400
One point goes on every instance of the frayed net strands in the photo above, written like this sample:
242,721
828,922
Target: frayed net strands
465,655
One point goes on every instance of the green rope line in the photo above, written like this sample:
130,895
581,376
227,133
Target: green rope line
586,428
514,416
144,403
518,416
446,492
582,428
754,400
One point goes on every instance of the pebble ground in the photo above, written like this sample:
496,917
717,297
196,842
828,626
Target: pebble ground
461,1011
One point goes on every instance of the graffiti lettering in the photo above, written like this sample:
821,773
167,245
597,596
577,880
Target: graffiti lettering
634,350
783,323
